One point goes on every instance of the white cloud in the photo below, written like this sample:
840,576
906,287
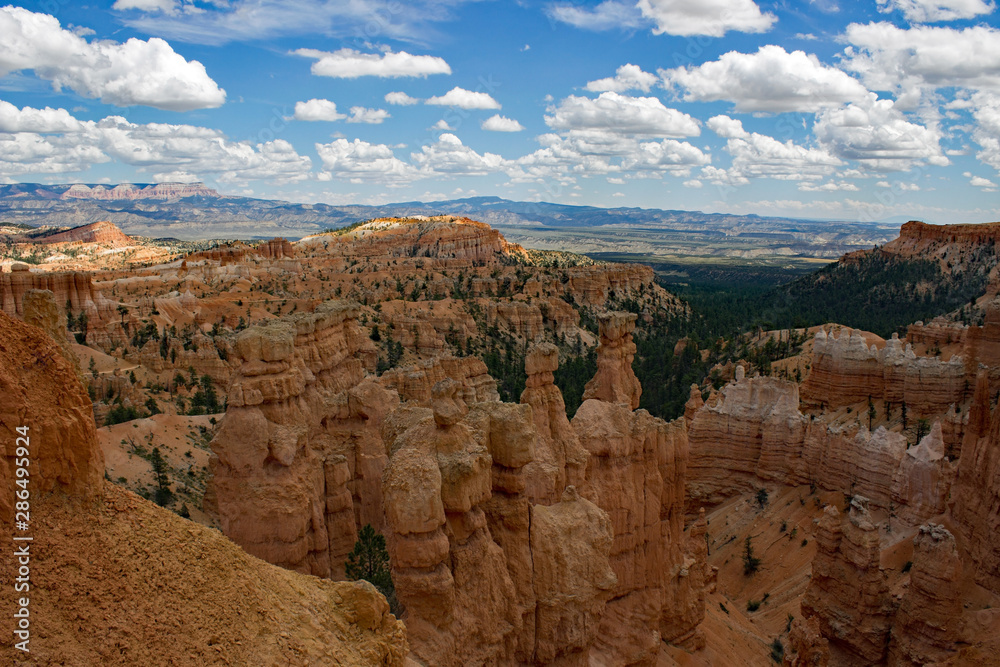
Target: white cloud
987,131
165,6
879,136
705,17
149,73
621,114
981,182
262,20
317,110
693,183
400,99
365,115
770,80
608,15
498,123
351,64
70,145
931,11
449,156
45,120
614,180
757,155
911,62
627,77
360,161
670,155
464,99
442,125
829,186
176,177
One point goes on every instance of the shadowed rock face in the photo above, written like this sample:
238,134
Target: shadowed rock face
847,595
977,490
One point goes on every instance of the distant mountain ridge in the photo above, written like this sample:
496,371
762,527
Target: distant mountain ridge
193,211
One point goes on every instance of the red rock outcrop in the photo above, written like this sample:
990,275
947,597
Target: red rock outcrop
923,481
276,248
103,233
928,626
977,489
615,382
450,576
116,580
414,383
438,237
752,430
297,463
847,370
42,392
847,594
559,459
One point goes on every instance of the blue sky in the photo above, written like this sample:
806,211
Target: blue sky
825,109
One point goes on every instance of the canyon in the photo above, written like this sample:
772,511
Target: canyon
359,379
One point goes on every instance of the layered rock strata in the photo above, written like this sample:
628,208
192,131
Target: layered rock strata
615,382
297,463
846,370
847,594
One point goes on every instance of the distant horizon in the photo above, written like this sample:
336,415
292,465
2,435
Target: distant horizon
897,220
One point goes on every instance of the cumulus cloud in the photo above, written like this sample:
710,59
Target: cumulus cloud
400,99
909,62
149,73
42,121
351,64
464,99
316,109
770,80
498,123
669,155
879,136
369,116
448,155
705,17
981,182
360,161
987,130
757,155
608,15
621,114
932,11
52,141
627,77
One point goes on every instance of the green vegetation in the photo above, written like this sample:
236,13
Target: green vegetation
751,563
370,561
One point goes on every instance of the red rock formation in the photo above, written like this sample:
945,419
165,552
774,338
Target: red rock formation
808,647
450,576
559,459
116,580
928,627
438,237
297,463
977,489
847,595
41,391
277,248
915,236
752,430
414,383
615,382
923,481
103,233
847,370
